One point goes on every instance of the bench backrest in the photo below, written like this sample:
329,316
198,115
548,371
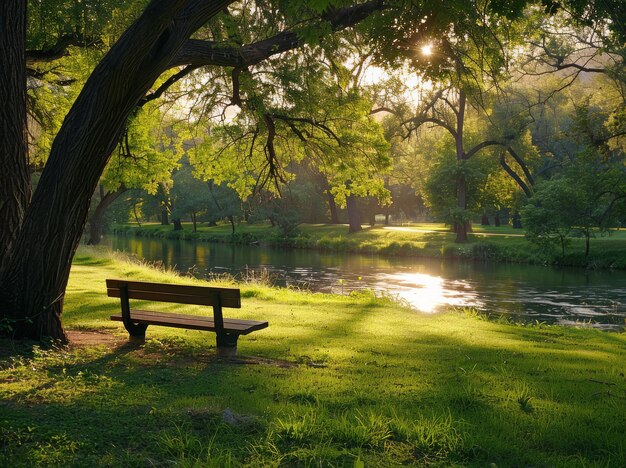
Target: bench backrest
180,294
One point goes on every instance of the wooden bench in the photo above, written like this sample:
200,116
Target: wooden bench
136,321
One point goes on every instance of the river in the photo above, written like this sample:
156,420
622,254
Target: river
526,292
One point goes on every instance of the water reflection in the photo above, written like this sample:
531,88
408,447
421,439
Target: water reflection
429,293
531,292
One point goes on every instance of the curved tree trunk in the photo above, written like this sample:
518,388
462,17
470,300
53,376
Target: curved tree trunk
33,282
97,218
14,176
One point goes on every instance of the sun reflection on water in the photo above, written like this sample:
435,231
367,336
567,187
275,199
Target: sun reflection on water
429,294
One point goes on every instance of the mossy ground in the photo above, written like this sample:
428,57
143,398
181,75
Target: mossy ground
486,243
333,380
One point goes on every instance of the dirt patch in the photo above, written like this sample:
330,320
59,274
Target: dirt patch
82,338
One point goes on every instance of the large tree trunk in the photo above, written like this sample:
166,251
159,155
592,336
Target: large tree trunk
14,176
33,282
354,215
97,218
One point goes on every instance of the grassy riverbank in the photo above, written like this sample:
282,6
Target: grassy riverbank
334,381
501,244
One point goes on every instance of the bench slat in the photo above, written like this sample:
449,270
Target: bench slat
194,322
193,317
181,294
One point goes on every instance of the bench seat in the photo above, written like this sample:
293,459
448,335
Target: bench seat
192,322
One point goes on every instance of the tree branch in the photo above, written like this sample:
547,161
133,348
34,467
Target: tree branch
58,50
166,84
201,53
419,121
311,122
522,164
480,146
514,176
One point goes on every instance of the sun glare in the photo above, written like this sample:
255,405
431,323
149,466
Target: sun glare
427,50
429,294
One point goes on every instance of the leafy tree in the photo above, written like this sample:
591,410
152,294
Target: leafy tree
586,197
299,114
144,159
548,216
225,204
189,196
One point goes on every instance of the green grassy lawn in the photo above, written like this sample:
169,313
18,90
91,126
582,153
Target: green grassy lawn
487,243
334,381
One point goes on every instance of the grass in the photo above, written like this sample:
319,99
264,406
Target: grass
487,243
338,381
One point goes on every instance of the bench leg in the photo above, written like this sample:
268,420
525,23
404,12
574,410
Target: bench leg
227,344
137,331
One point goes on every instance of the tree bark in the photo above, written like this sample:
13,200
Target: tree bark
484,219
496,220
14,175
354,215
165,221
96,220
193,220
461,226
332,207
371,212
178,226
33,281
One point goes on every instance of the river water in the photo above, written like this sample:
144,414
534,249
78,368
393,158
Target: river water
526,292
